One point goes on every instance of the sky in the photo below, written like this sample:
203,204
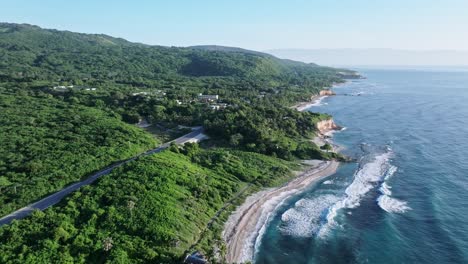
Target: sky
258,24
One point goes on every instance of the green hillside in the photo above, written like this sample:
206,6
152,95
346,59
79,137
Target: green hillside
152,211
46,144
34,60
30,53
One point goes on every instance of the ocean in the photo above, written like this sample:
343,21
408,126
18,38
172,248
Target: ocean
405,200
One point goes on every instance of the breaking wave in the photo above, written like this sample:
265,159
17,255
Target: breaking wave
392,205
318,102
331,132
385,189
306,217
268,209
368,177
385,201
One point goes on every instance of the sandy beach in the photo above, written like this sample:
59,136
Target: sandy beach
246,224
316,100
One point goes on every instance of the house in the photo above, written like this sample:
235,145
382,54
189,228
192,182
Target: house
218,106
195,258
62,88
140,93
207,98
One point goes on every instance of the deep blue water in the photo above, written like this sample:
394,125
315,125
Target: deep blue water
406,200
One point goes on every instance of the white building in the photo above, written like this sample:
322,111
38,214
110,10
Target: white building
208,97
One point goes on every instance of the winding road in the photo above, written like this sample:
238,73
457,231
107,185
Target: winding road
195,136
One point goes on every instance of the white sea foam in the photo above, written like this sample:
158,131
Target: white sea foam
304,219
268,208
385,201
392,205
365,179
318,102
357,93
385,189
391,170
331,132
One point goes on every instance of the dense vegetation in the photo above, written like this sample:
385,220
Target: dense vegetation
150,211
46,144
32,54
279,132
256,84
65,99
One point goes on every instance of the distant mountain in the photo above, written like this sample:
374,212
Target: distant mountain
228,49
371,57
241,50
31,53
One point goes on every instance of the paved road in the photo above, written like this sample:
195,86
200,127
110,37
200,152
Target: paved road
194,136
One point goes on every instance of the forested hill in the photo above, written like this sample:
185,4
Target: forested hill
30,53
234,49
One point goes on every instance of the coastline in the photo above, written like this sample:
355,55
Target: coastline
317,99
246,224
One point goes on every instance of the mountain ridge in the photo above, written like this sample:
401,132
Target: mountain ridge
30,51
376,56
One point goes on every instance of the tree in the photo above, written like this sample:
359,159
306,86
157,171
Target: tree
158,113
327,147
131,117
4,182
236,139
174,148
191,149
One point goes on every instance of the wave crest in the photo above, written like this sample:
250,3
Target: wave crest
385,201
306,217
392,205
365,179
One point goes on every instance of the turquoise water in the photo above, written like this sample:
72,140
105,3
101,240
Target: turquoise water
406,199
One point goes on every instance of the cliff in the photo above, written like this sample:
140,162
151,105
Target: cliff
325,126
326,92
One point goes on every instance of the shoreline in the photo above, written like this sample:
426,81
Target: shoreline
317,99
246,223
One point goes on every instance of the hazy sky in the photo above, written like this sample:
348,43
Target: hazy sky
258,24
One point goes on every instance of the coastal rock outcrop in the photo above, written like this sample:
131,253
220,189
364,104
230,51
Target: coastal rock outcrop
326,92
325,126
